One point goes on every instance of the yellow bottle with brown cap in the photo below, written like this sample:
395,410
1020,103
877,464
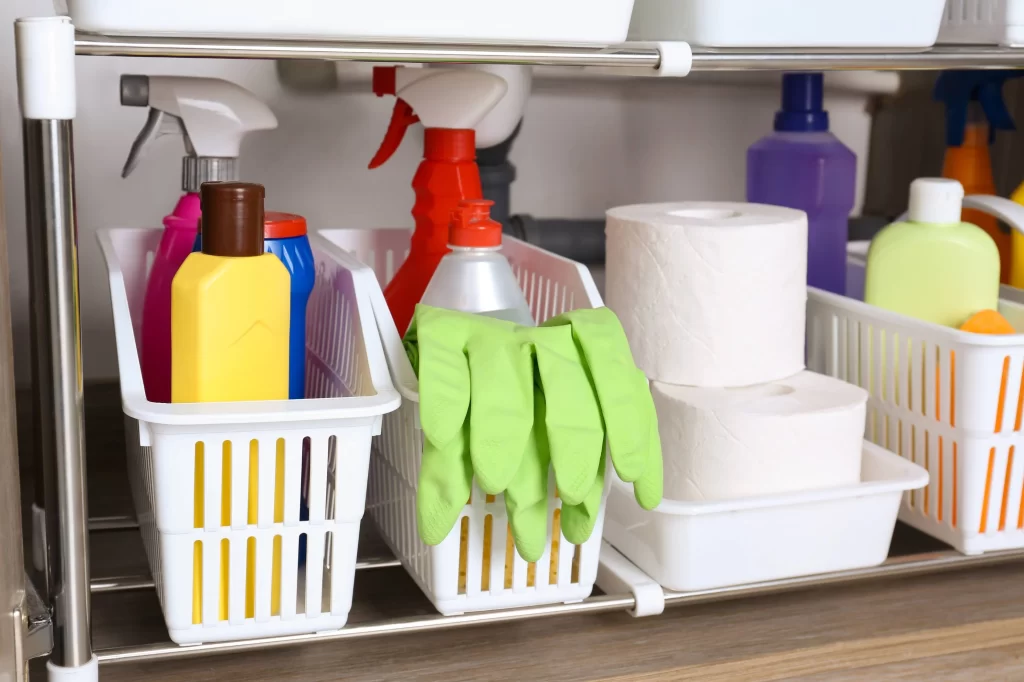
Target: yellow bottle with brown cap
229,342
230,306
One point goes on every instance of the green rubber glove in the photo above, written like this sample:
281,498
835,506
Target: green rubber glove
585,368
458,358
624,397
526,498
581,365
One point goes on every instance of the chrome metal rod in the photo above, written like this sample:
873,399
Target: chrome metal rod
377,562
824,60
123,583
131,583
53,250
916,564
238,48
623,56
43,435
161,652
99,524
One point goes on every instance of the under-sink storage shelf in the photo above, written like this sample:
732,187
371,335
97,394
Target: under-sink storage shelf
217,486
476,568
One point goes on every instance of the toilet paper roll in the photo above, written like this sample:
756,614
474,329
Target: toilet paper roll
801,433
710,294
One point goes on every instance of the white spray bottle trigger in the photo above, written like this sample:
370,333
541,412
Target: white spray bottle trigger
213,115
158,124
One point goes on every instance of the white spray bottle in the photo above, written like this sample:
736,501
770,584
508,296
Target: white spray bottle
212,116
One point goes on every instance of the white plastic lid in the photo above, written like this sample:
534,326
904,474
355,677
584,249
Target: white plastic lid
937,201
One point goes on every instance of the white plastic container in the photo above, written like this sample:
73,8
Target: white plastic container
189,465
945,399
457,576
597,22
948,400
789,23
689,546
983,22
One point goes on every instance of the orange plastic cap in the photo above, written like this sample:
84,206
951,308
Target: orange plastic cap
283,225
988,322
472,225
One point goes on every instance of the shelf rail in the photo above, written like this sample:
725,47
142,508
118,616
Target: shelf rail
240,48
627,56
46,89
917,564
133,583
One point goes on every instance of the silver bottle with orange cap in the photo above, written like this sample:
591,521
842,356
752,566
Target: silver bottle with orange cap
475,277
284,235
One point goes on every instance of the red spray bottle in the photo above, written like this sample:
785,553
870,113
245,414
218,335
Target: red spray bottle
449,103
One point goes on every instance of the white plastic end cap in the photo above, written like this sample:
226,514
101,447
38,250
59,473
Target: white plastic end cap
46,67
676,58
89,672
938,201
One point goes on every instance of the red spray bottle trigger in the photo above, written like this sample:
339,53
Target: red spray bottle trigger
401,117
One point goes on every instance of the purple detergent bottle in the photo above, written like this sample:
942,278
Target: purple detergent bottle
804,166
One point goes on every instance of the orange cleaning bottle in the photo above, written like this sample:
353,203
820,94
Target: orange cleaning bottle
449,102
971,165
974,111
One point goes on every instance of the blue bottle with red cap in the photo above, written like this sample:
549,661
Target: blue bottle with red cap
804,166
284,235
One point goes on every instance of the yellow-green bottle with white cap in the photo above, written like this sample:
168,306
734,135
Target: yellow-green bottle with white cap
933,267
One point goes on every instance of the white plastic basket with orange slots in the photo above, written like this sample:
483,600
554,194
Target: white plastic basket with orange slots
950,401
476,568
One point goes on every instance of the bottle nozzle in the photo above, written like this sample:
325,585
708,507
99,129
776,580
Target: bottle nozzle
472,225
450,99
210,114
960,89
384,80
134,90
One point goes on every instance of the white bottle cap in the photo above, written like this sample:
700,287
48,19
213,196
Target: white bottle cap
937,201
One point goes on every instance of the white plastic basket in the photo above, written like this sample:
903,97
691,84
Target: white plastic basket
789,23
689,546
210,530
598,22
983,22
460,575
948,400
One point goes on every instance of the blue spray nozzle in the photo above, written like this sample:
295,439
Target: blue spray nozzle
959,88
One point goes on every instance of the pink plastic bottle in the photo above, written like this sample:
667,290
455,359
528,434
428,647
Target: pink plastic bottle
180,229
